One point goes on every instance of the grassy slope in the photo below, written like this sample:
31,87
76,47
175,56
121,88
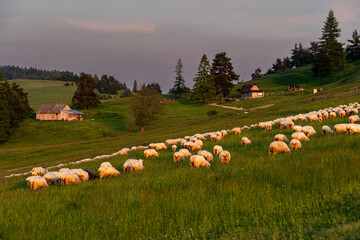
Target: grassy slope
313,193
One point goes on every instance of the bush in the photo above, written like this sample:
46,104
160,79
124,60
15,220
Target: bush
212,112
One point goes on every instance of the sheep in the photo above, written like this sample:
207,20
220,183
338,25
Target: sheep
268,126
69,178
185,152
297,128
325,115
173,148
308,131
84,176
36,182
217,149
213,137
187,137
353,128
281,137
342,113
200,136
171,142
38,171
207,155
133,149
354,119
313,118
193,139
51,178
190,145
92,175
198,161
108,172
133,165
245,128
262,125
178,157
333,115
283,124
199,143
224,157
157,146
150,153
245,141
218,138
236,131
223,133
340,128
62,170
277,147
294,144
300,136
142,148
326,130
290,124
106,164
122,152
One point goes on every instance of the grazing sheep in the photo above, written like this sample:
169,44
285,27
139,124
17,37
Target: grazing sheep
106,164
268,126
187,138
157,146
218,138
224,157
133,165
313,118
190,145
342,113
223,133
92,175
213,137
69,178
245,128
142,148
178,157
281,137
294,144
300,136
199,143
333,115
297,128
185,152
326,130
62,170
245,141
150,153
200,136
38,171
277,147
84,176
353,128
325,115
262,125
171,142
340,128
173,147
133,149
354,119
51,178
217,149
309,131
198,161
236,131
108,172
290,125
122,152
193,139
207,155
36,182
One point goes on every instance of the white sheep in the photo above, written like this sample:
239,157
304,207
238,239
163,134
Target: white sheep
198,161
157,146
218,138
213,137
51,178
353,128
134,148
64,170
245,141
297,128
108,172
171,142
207,155
224,157
133,165
340,128
245,128
332,114
281,137
268,126
142,148
294,144
38,171
105,164
300,136
83,175
342,113
69,178
190,145
217,149
326,130
36,182
185,152
309,131
236,131
178,157
277,147
354,119
223,133
173,148
150,153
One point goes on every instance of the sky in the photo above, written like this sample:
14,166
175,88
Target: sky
142,40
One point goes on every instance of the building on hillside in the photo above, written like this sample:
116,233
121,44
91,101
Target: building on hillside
53,112
295,88
250,90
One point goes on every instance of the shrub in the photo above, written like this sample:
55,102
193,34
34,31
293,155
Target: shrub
212,112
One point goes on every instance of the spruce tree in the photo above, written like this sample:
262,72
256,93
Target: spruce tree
179,84
204,88
85,97
330,57
353,50
134,87
223,73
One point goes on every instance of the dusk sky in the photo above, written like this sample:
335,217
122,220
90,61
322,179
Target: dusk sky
143,39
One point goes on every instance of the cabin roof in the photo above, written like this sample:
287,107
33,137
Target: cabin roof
72,112
246,88
51,108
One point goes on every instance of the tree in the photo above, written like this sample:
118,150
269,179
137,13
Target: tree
256,74
85,97
353,51
179,84
330,57
223,73
155,86
278,66
145,107
204,88
135,87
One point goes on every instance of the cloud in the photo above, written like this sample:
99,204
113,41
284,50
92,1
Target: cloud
112,27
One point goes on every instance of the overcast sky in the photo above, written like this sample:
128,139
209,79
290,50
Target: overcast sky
142,40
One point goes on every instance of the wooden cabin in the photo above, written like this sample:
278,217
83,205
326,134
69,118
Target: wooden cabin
250,90
54,112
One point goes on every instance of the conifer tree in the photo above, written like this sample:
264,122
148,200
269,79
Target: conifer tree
204,88
85,97
179,84
353,50
330,57
134,87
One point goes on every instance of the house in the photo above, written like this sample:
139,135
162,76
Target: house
250,90
53,112
295,88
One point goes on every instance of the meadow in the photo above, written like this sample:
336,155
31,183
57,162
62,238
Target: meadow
313,193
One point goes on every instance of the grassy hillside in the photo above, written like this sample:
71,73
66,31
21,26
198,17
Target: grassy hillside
46,91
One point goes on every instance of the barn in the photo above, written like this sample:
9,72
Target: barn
250,90
53,112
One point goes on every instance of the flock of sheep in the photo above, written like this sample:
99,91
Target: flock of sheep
41,178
